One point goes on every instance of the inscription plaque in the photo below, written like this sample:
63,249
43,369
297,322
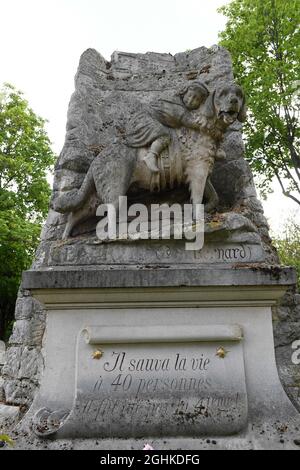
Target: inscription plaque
157,380
99,253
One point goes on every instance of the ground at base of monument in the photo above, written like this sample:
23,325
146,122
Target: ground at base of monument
277,436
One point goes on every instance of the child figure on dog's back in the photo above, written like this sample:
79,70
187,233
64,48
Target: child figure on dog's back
151,126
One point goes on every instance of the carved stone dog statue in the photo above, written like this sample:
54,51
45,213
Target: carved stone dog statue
190,158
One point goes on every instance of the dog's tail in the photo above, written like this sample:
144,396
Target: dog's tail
74,199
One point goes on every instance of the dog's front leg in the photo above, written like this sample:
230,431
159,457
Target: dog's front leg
197,173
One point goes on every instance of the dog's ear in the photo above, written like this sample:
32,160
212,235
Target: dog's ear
242,116
210,108
204,89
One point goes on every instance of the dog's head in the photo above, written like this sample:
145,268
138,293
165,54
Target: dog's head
228,104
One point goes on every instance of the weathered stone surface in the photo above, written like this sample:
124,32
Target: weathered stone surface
42,253
66,180
275,437
76,159
19,392
28,332
244,250
26,307
2,353
287,313
234,181
233,145
161,276
224,232
2,394
23,363
8,415
286,318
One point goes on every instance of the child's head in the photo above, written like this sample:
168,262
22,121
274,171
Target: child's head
193,95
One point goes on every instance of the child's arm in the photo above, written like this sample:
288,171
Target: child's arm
192,122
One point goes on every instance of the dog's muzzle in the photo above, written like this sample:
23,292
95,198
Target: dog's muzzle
228,116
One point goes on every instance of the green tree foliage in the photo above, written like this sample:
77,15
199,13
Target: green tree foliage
6,440
263,39
25,158
288,246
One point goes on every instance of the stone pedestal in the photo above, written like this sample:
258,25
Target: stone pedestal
177,356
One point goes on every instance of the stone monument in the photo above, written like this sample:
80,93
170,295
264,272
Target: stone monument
132,337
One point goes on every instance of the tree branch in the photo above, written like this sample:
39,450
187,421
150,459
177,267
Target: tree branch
286,193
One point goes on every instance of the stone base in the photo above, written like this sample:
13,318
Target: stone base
164,353
9,416
229,238
260,438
